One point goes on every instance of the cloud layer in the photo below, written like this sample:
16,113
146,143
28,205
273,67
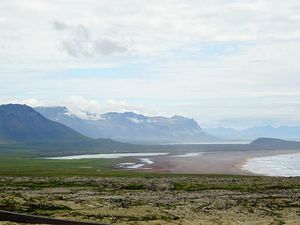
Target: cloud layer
224,62
79,42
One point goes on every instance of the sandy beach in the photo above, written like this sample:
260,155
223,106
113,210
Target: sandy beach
196,162
229,162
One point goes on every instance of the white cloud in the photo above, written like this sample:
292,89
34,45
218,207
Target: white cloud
92,109
83,108
135,120
138,26
213,55
30,102
80,43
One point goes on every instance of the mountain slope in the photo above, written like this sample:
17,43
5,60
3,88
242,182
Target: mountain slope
21,123
131,127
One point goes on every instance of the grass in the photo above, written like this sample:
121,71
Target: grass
12,165
20,164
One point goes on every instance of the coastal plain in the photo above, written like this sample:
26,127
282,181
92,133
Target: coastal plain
204,184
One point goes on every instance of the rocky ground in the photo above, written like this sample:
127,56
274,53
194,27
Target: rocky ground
156,199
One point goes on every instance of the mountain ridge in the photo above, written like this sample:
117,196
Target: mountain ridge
131,127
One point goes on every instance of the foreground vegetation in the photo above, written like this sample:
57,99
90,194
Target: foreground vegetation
156,199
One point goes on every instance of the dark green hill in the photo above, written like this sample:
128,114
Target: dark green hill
21,123
274,142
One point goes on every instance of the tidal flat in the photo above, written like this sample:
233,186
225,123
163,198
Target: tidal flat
156,199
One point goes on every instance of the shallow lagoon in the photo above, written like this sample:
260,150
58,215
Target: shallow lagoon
108,156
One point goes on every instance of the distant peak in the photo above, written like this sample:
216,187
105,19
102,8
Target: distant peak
51,107
178,117
124,114
264,141
16,107
12,105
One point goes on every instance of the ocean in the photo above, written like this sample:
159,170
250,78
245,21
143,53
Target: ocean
284,165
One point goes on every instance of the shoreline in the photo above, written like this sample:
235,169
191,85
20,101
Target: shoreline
282,165
231,162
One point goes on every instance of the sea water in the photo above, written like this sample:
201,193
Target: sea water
277,165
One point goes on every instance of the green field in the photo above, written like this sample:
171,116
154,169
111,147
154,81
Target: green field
20,163
22,159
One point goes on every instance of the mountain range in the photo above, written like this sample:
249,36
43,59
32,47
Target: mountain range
22,129
131,127
138,128
21,123
283,132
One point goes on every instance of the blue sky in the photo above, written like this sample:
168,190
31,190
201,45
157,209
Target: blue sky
224,63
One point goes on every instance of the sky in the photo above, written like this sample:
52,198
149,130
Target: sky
231,63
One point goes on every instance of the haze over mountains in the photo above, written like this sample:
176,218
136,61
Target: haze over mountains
132,127
20,123
283,132
24,129
137,128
